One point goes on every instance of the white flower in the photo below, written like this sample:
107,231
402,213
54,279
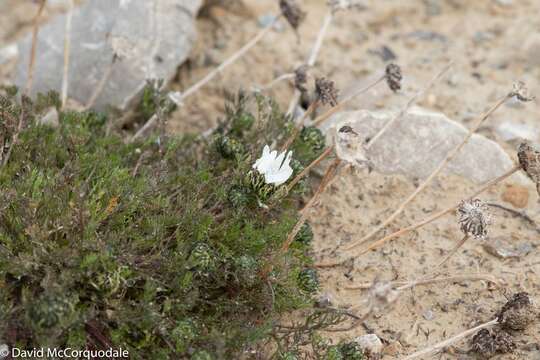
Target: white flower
275,168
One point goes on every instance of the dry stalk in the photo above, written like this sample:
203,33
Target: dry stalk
433,175
424,222
441,345
326,180
312,58
35,31
319,120
452,252
441,213
67,50
299,124
101,84
308,168
409,103
274,82
15,137
195,87
403,285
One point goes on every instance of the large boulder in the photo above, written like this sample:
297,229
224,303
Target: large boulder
417,143
150,38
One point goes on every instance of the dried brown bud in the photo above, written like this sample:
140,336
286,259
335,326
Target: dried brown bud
300,78
488,343
529,159
520,91
326,91
292,12
393,77
474,218
518,313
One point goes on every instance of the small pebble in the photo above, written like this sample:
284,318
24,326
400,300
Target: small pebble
370,343
428,315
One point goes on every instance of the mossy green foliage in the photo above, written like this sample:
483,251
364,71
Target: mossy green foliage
158,249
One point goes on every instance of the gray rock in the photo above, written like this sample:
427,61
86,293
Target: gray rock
150,39
417,143
502,249
510,130
531,49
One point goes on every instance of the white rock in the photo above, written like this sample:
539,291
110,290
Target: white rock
510,130
531,49
151,38
417,143
370,343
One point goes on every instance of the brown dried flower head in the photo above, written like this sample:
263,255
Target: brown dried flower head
300,78
529,159
518,313
336,5
292,12
520,91
326,91
393,77
488,343
474,218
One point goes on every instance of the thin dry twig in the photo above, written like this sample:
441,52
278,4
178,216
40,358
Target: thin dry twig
441,213
199,84
520,214
308,168
299,124
323,117
274,82
424,222
15,137
329,174
441,345
433,175
403,285
453,251
409,103
101,84
35,31
67,50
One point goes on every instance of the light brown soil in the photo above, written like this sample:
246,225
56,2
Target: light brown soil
485,40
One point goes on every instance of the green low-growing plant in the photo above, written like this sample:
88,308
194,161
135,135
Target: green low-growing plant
156,249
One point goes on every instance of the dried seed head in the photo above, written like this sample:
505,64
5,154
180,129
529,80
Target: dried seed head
474,218
300,78
393,77
529,159
292,12
518,313
487,343
520,91
336,5
326,91
350,146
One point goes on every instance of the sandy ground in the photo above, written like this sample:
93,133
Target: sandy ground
491,44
